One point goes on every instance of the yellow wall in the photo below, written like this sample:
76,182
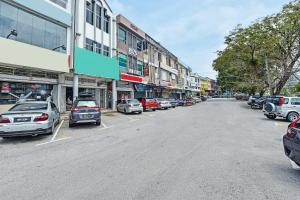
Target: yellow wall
21,54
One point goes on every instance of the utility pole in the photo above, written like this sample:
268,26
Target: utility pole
268,75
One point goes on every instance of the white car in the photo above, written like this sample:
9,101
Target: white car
284,107
163,104
29,119
130,106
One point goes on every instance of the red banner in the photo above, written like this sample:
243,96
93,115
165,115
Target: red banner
131,78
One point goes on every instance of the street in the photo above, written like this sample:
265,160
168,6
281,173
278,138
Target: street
219,149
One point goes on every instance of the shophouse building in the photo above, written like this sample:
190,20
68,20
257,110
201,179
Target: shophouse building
35,47
95,67
131,59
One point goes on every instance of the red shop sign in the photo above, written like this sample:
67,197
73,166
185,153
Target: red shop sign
131,78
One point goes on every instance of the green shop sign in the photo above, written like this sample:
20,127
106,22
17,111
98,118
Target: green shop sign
94,64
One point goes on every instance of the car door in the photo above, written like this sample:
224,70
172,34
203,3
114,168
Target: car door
295,104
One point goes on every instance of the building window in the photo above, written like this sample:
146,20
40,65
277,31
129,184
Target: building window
62,3
123,62
31,29
106,51
132,65
90,13
89,44
140,68
139,45
98,16
97,47
106,22
122,35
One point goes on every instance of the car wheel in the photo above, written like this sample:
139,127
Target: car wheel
292,116
5,138
125,111
52,128
271,116
71,125
153,110
98,123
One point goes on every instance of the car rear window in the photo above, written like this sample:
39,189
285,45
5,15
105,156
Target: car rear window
29,107
150,100
86,104
133,101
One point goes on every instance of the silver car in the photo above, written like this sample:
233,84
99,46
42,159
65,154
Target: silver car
29,119
163,104
130,106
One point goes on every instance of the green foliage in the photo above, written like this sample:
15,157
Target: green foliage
241,65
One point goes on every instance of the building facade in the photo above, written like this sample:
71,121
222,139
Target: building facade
95,66
131,59
34,38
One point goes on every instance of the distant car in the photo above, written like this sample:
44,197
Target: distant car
259,103
148,104
29,119
180,102
173,102
85,111
130,106
189,102
252,99
197,99
203,98
284,107
163,104
291,142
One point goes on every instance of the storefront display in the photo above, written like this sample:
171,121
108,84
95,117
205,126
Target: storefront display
11,91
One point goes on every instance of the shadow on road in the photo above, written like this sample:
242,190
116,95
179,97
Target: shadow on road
25,139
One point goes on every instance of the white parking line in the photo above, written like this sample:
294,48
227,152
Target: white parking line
52,141
57,131
104,125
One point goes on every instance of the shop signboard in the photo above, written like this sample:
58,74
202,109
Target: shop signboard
131,78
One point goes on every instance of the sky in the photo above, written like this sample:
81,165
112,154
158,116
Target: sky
194,30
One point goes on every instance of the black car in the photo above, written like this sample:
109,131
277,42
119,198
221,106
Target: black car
291,142
258,103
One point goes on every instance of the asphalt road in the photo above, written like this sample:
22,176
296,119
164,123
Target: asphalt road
214,150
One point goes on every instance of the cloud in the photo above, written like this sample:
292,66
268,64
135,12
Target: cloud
194,30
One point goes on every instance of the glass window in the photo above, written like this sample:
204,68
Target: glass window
295,101
61,38
139,44
89,44
50,36
86,104
123,62
97,47
98,16
106,51
24,27
129,39
29,106
38,31
8,19
122,35
106,22
89,13
139,68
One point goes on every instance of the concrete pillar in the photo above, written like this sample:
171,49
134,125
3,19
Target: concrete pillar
75,86
114,95
97,97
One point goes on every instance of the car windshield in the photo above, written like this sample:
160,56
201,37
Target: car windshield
86,104
133,101
29,107
150,100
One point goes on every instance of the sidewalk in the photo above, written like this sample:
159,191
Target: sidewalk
65,115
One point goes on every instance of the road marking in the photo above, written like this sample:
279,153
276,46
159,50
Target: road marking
294,165
52,141
57,130
104,125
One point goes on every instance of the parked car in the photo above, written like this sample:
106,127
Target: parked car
173,102
197,99
130,106
291,142
284,107
148,104
252,99
180,102
189,102
29,119
85,111
203,98
163,104
259,103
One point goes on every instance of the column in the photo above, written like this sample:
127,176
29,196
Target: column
114,95
75,86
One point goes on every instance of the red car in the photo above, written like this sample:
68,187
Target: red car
148,104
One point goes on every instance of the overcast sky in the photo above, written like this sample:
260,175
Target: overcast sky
194,29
